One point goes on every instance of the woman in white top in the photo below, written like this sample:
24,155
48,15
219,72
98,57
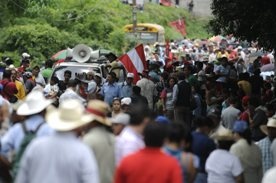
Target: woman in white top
221,165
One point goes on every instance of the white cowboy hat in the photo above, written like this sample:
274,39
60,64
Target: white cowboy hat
223,134
270,124
70,115
99,109
34,103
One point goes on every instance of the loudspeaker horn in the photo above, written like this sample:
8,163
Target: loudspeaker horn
81,53
95,54
69,53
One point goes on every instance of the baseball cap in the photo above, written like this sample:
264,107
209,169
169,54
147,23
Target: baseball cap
121,118
130,75
240,126
162,120
126,101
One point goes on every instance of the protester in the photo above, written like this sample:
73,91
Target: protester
147,88
221,165
265,144
110,89
230,114
70,160
249,154
34,108
174,147
167,99
202,145
130,139
70,92
126,86
100,140
182,94
116,107
159,166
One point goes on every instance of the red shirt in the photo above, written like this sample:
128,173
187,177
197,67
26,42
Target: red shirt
149,165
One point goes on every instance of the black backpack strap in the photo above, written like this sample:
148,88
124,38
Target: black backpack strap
25,128
37,128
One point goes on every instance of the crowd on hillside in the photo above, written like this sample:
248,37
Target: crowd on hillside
203,111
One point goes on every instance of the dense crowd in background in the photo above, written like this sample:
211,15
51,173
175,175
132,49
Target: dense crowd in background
203,111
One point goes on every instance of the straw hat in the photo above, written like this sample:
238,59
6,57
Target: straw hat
70,115
223,134
34,103
271,124
99,109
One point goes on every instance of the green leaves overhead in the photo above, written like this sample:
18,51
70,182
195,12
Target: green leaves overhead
246,19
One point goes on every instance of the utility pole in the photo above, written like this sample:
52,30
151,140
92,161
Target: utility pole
134,17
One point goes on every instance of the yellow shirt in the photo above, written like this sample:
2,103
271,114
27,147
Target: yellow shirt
21,90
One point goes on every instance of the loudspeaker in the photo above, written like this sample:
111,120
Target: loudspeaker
81,53
95,54
69,53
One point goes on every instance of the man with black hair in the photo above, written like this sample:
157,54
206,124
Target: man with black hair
230,114
110,89
130,139
202,145
70,92
160,167
182,93
37,76
47,72
137,98
64,84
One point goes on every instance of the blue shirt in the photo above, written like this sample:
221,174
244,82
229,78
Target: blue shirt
13,138
202,146
110,91
125,90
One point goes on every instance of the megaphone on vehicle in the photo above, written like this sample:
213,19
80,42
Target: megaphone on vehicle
81,53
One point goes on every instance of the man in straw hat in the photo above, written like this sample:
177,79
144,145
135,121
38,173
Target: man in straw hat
100,140
265,144
221,165
33,108
61,157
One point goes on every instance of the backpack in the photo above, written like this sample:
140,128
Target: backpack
29,136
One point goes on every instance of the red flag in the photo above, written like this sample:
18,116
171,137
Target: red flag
135,61
179,25
166,2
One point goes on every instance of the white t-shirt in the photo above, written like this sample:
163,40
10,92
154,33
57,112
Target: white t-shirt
222,166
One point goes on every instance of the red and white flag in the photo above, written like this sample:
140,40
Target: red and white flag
166,2
135,61
179,25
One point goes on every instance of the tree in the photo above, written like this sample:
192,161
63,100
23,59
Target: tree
246,19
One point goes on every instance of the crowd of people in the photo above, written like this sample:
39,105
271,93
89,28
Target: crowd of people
203,111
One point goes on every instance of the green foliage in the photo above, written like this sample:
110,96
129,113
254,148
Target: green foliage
46,26
246,19
40,40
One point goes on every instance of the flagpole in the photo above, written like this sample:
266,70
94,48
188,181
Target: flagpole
134,17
